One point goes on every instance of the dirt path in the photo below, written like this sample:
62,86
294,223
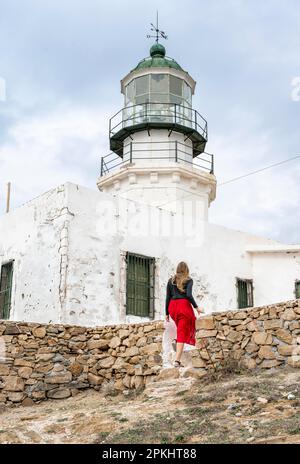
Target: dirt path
241,408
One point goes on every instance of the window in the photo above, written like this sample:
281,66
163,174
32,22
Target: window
244,293
297,288
176,86
142,85
140,285
5,289
158,88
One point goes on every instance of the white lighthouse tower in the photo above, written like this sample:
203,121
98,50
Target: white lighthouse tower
158,139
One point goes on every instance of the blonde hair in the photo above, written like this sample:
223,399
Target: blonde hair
182,275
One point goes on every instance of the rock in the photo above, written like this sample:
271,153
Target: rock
12,329
284,335
58,378
288,315
25,372
272,324
198,362
76,369
207,333
169,373
123,333
115,341
234,336
266,352
137,381
59,393
287,350
252,326
294,325
13,383
194,373
249,363
15,397
106,363
240,315
97,345
294,361
262,400
127,381
268,363
45,357
119,364
94,379
27,402
291,396
39,332
141,342
152,348
262,338
232,406
4,370
23,362
206,323
251,348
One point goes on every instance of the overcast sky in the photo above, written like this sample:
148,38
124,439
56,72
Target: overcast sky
62,61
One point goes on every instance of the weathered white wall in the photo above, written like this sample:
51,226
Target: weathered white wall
274,276
69,247
32,235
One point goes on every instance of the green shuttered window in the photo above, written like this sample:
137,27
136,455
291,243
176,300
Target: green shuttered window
297,288
140,285
244,293
5,289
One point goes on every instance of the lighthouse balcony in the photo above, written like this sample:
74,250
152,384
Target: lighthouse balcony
147,116
156,154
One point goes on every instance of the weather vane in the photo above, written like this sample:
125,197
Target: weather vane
158,33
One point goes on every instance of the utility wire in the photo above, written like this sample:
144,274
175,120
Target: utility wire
236,178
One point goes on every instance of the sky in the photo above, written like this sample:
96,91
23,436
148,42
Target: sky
61,62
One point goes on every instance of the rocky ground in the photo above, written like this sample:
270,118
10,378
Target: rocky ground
232,407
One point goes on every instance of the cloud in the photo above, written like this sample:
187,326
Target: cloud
42,152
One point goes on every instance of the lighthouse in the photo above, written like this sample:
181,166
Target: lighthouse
158,139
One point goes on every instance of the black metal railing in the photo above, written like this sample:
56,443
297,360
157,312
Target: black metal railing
166,151
158,113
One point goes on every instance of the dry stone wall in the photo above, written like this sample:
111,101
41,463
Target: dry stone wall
264,337
56,361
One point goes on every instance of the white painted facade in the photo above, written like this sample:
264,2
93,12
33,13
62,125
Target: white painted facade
69,244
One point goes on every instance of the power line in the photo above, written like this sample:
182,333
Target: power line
237,178
260,170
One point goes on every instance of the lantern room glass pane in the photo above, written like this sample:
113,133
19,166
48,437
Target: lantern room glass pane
159,83
142,85
187,93
130,93
176,86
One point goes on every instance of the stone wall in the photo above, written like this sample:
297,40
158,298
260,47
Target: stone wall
56,361
264,337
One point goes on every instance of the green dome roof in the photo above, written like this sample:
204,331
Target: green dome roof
157,59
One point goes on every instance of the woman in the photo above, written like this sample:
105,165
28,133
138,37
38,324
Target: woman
179,302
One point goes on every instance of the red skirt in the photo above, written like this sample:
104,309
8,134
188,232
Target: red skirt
183,315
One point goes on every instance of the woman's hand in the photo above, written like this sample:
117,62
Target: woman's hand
200,310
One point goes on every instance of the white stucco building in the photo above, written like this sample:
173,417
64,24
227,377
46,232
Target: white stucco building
91,257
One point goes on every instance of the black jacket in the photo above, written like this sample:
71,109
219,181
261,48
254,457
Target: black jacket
173,293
